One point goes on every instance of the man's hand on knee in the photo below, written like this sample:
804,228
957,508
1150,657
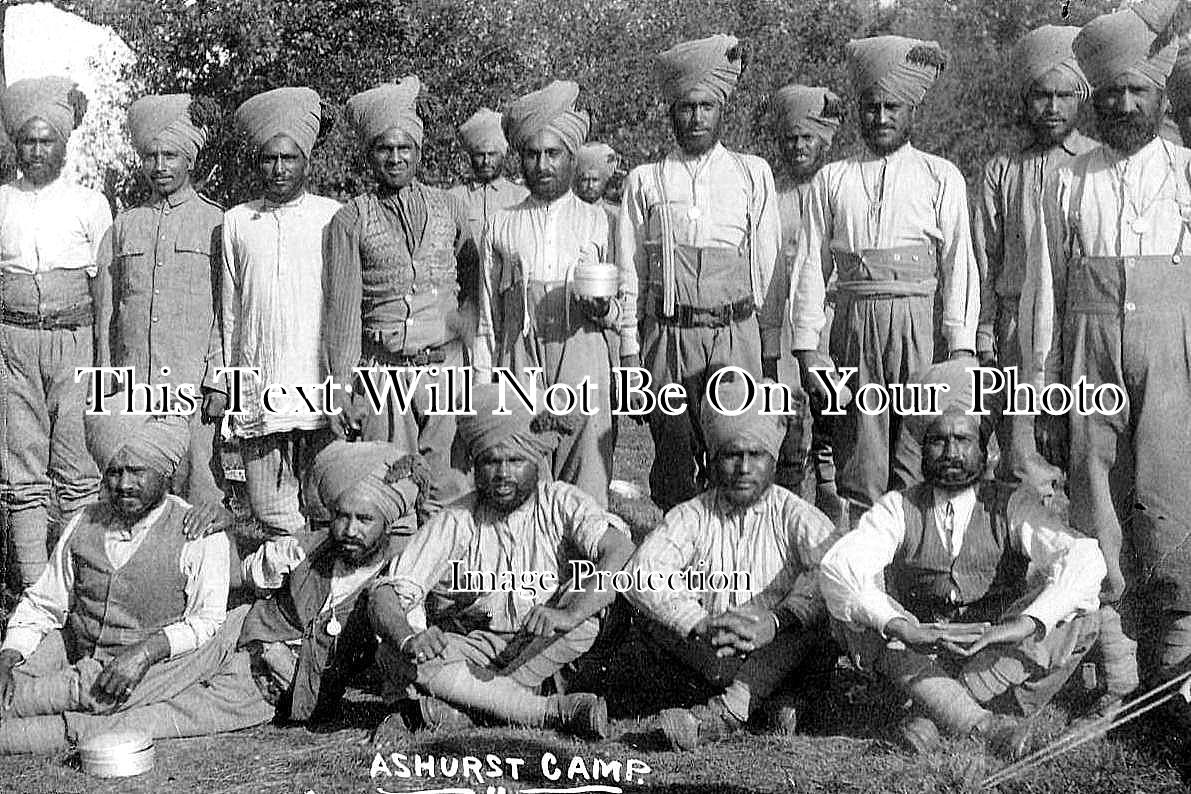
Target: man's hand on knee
425,645
122,674
544,621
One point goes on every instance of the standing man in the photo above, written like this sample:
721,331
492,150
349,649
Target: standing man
397,263
1052,88
529,253
595,165
164,272
488,190
808,118
891,224
272,300
1110,299
50,236
1178,90
700,230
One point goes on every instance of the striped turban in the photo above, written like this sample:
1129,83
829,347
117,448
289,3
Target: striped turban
901,68
293,112
392,105
713,64
548,109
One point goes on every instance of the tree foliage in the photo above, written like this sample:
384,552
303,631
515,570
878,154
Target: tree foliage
471,53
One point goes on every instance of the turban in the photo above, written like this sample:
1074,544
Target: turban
1178,87
551,108
165,118
1044,50
388,478
55,100
1134,39
899,67
377,110
802,108
483,130
750,427
597,157
713,63
960,396
522,429
157,441
293,112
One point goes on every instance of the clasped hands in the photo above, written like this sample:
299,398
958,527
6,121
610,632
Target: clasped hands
737,632
960,639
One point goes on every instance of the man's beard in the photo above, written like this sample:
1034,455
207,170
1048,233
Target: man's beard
952,474
1127,132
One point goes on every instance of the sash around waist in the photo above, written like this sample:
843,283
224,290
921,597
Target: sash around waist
904,270
50,295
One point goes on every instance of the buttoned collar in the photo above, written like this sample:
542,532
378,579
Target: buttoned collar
177,198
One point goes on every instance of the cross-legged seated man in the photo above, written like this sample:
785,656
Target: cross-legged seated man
480,609
763,544
970,596
127,627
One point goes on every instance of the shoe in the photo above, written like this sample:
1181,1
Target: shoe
581,714
440,715
1008,737
393,730
1098,716
781,715
686,729
919,735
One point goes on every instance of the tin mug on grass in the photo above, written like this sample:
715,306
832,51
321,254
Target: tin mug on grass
122,754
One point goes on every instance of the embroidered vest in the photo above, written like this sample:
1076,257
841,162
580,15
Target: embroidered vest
980,583
387,270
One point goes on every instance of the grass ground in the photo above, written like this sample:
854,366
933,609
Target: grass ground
842,744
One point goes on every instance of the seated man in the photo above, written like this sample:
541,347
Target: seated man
479,610
310,632
127,627
747,637
970,596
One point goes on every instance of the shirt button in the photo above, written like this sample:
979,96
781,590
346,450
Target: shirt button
1130,262
1130,306
154,319
156,292
1175,259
